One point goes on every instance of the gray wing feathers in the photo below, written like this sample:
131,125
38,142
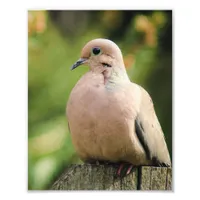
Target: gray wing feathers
150,134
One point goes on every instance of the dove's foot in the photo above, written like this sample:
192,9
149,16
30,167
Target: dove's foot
124,169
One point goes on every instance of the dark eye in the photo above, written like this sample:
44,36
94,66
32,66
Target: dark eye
96,50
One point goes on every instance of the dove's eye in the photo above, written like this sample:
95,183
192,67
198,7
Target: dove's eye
96,51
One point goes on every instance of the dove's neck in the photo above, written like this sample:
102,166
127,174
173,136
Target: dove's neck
117,77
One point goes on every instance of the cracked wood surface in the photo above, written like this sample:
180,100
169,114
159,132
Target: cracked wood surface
102,177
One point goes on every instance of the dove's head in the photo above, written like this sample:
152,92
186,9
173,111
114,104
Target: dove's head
103,56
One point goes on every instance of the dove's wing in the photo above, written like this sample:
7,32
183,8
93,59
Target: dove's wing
149,132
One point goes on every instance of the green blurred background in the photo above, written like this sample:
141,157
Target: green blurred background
55,39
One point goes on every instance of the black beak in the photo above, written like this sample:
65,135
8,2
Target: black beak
78,63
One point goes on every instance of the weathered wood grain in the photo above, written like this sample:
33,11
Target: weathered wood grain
169,179
155,178
102,177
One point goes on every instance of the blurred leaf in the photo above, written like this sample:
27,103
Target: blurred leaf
43,171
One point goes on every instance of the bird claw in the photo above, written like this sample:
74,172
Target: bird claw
124,170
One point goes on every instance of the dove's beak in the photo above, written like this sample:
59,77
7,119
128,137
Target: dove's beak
78,63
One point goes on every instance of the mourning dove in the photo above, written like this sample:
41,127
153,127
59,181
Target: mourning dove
110,118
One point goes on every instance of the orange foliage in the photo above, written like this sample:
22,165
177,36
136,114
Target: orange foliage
36,22
129,60
144,24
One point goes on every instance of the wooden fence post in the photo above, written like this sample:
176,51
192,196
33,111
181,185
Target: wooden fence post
102,177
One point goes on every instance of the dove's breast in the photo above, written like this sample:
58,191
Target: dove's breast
102,122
